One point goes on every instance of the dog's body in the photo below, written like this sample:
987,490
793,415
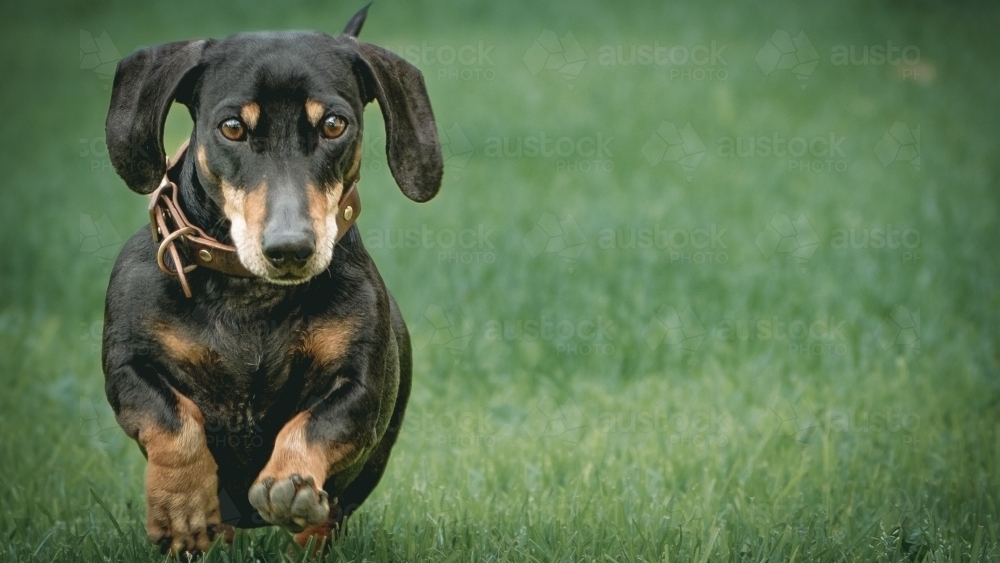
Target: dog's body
282,392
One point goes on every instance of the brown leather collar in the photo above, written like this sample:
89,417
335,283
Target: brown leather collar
170,225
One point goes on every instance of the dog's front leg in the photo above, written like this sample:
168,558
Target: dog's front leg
313,446
182,498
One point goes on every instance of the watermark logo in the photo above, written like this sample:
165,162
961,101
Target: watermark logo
93,334
782,235
98,423
455,148
681,329
96,150
900,142
469,245
905,241
900,327
874,55
824,336
453,427
100,239
583,154
550,52
819,153
669,144
464,62
571,336
704,245
448,328
706,60
781,52
783,419
552,236
99,54
550,419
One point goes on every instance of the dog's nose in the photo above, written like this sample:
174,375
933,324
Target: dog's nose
289,248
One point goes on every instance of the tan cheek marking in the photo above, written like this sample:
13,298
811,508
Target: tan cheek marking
354,174
328,341
233,205
314,111
250,114
203,165
322,204
254,209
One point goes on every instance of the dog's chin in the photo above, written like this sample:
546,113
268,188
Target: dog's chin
287,279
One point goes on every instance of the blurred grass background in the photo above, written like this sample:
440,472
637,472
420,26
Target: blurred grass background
754,377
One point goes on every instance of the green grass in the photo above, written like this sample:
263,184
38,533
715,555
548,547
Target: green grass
645,422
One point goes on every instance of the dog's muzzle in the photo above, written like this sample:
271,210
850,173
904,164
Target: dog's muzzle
169,225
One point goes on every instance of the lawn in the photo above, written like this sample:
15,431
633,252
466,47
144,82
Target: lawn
703,283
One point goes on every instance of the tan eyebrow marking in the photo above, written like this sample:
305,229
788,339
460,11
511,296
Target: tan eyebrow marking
314,111
250,114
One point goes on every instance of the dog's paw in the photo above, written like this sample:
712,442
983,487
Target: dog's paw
183,509
294,502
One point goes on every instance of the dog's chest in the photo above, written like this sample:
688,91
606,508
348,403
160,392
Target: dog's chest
251,364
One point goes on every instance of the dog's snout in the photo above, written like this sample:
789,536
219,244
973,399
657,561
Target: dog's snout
289,248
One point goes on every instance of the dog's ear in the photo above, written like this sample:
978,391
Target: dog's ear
411,140
146,84
353,27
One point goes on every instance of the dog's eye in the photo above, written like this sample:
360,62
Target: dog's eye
232,129
333,126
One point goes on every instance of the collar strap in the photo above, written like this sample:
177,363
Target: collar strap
169,226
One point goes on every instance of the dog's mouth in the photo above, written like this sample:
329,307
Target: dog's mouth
289,274
290,278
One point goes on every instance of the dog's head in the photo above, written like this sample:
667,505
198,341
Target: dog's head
277,133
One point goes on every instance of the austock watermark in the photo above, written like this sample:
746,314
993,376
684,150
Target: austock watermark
801,421
454,428
446,61
569,335
798,55
95,151
905,57
819,152
821,336
464,245
698,62
903,241
584,153
566,421
802,153
700,245
682,329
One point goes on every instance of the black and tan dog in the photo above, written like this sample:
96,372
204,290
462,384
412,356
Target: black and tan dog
280,387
